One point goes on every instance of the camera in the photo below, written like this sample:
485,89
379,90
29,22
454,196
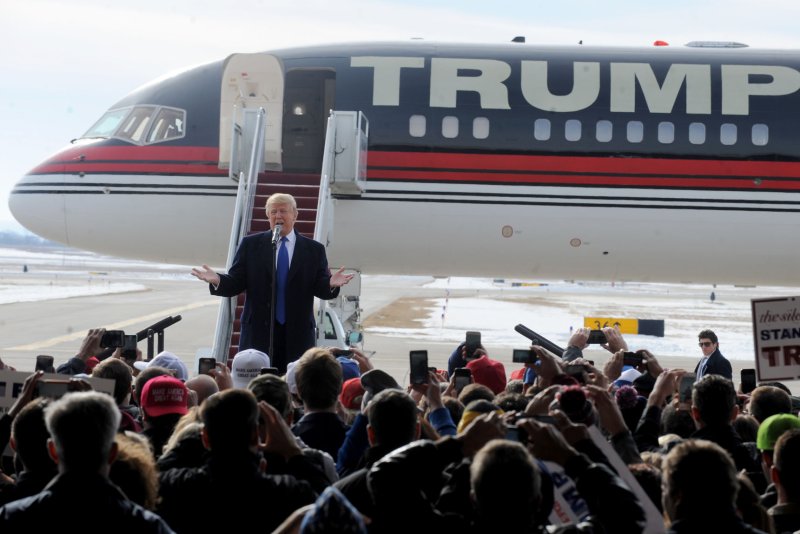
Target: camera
462,378
52,388
685,387
113,339
524,356
206,365
129,353
418,360
633,359
471,344
596,337
44,362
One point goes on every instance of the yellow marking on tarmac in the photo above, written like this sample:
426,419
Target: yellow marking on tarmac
149,318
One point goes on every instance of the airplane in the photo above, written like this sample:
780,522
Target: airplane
671,164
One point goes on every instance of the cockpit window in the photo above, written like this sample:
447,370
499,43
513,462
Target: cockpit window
135,124
168,124
107,124
142,125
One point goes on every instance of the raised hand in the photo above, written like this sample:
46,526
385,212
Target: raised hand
338,279
206,274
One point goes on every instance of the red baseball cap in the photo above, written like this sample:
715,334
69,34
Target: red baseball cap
488,372
352,394
164,395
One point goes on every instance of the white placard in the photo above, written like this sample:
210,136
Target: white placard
776,331
11,385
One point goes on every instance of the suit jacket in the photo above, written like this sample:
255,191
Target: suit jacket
251,272
717,365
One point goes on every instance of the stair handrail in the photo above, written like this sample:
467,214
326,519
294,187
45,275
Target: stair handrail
242,215
323,200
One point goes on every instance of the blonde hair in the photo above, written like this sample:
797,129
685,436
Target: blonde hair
135,472
281,198
187,424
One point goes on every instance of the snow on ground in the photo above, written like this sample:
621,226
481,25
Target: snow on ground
553,309
454,305
41,292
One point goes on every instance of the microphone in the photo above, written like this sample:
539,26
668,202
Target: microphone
276,233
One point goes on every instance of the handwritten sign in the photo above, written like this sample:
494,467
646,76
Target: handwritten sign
776,331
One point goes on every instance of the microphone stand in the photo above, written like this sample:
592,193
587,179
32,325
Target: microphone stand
273,256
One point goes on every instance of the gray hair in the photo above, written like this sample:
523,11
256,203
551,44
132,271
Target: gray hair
83,427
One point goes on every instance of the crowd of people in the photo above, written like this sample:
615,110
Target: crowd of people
335,444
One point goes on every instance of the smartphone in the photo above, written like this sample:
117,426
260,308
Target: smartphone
206,365
596,337
270,371
52,388
129,349
748,380
462,377
418,360
341,352
524,356
473,341
44,362
631,358
578,372
113,338
515,433
685,387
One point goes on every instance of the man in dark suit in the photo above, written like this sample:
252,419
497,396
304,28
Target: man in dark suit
302,274
713,362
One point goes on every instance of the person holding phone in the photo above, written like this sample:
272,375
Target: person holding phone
712,362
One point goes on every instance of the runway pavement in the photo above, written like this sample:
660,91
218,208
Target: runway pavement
390,307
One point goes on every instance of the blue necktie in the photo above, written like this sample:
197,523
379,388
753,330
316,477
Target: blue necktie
280,282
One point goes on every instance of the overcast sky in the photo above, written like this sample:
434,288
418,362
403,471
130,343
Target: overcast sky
63,63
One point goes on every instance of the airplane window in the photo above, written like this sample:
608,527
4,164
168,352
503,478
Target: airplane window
603,131
168,124
727,134
416,126
572,130
480,128
541,129
635,131
450,127
760,134
135,124
107,124
666,132
697,133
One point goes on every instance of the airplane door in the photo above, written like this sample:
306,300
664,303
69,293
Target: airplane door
251,81
309,98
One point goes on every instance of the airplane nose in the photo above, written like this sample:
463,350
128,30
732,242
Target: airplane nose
34,206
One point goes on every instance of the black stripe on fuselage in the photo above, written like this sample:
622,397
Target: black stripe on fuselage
131,185
580,204
578,197
165,193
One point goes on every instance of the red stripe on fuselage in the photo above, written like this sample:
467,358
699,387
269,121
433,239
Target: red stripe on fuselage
459,167
132,159
585,164
579,179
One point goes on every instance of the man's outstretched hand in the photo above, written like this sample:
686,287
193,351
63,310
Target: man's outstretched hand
338,279
206,274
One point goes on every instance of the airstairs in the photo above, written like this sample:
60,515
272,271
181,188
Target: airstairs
343,173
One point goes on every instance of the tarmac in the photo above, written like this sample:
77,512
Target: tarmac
57,326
